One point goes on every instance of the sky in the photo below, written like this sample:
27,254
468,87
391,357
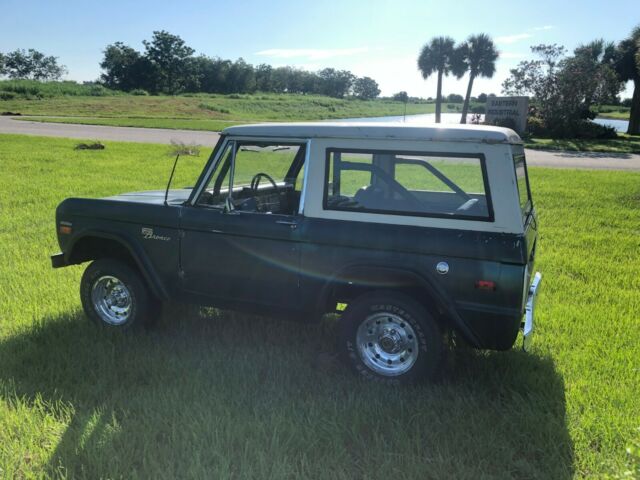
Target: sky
376,38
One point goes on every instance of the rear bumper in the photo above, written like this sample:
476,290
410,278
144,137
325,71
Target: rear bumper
528,322
58,261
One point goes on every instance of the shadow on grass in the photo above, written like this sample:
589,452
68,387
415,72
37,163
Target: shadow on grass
209,394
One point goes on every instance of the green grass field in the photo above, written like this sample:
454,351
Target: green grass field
614,111
201,111
215,112
210,394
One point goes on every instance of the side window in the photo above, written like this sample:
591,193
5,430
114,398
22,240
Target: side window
407,183
257,177
522,179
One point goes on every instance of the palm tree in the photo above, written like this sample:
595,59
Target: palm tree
479,55
441,56
628,68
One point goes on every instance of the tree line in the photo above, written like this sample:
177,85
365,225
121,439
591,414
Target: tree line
564,88
167,65
30,64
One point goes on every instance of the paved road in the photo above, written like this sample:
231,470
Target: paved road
586,160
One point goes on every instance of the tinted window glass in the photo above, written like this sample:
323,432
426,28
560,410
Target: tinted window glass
406,183
522,178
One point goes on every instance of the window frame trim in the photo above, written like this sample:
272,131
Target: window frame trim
490,218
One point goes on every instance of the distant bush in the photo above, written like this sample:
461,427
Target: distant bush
585,129
140,92
7,95
478,109
99,91
536,127
35,89
213,108
591,130
401,97
234,96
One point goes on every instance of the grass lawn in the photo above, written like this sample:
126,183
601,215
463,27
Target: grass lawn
623,144
202,111
617,112
213,394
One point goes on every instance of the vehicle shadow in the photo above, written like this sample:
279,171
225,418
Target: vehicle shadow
210,393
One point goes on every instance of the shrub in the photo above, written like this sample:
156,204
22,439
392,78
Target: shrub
536,127
592,130
140,92
213,108
478,109
7,95
585,129
98,91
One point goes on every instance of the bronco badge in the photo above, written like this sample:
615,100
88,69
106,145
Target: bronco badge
148,234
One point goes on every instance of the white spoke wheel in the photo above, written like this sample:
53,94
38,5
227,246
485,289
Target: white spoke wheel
115,296
390,337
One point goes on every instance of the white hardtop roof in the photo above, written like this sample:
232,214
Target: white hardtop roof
379,130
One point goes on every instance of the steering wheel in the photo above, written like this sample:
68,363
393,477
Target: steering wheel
255,182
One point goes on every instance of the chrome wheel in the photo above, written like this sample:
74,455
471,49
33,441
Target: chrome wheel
387,344
111,300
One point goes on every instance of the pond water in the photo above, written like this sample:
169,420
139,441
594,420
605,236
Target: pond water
619,125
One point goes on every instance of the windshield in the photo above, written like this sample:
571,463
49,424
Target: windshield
522,178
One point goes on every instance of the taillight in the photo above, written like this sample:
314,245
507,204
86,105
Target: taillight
65,228
485,284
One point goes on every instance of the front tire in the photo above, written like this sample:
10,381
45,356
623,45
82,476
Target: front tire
389,337
114,295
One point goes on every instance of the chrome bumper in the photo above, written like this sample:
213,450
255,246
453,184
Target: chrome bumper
527,324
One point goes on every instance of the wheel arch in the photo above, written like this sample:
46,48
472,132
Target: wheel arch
355,280
95,244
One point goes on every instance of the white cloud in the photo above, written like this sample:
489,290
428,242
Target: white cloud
311,53
509,39
545,27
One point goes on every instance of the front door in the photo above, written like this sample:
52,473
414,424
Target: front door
241,236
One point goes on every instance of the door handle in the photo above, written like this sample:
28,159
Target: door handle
291,223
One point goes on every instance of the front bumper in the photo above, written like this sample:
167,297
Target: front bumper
527,324
58,261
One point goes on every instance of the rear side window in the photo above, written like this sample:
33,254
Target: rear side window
522,178
408,183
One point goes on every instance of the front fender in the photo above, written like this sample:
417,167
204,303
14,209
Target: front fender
135,251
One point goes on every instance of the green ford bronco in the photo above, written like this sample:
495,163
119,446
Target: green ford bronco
420,231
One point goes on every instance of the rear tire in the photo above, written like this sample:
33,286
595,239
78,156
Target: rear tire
390,338
115,296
